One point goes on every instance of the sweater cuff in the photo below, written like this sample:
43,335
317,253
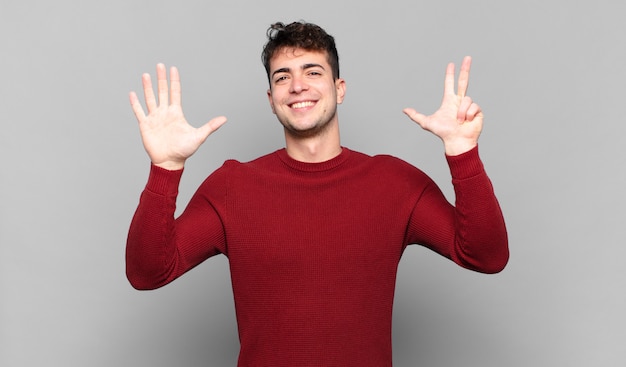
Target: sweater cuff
465,165
162,181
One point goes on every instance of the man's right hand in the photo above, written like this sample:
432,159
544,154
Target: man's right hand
167,136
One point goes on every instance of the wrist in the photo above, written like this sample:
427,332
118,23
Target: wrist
170,165
459,146
162,181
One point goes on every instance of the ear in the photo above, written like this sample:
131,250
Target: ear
340,85
269,97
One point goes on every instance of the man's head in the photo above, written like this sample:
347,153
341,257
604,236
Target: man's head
300,35
303,72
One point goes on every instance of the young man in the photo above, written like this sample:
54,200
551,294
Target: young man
313,232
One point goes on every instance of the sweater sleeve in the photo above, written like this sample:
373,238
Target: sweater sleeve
471,232
159,247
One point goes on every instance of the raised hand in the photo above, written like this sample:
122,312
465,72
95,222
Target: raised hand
167,136
458,122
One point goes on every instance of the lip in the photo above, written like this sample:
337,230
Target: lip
302,105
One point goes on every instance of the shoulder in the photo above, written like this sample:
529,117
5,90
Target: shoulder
232,169
386,161
388,167
234,165
234,175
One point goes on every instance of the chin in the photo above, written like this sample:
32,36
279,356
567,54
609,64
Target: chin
305,131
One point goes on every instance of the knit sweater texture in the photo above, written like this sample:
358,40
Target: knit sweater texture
314,248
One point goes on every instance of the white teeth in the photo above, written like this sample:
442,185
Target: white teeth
302,104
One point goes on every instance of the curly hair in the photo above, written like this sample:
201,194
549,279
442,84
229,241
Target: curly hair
306,36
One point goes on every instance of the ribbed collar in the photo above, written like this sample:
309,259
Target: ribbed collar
314,167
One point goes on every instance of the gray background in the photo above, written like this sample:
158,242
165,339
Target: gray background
550,77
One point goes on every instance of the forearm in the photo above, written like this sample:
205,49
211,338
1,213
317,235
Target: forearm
150,247
161,248
472,232
481,241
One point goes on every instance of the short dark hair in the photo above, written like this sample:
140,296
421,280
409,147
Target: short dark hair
306,36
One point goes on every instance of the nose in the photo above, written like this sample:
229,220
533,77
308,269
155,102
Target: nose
298,84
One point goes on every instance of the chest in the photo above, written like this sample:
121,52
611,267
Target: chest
304,225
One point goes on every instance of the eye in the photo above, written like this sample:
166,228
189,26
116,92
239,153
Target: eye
280,79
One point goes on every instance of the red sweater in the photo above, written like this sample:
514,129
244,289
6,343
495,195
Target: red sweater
314,247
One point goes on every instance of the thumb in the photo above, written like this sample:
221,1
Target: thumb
210,127
414,115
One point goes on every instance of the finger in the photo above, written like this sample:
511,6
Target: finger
464,76
210,127
175,86
148,92
414,115
461,115
473,111
448,85
136,106
162,85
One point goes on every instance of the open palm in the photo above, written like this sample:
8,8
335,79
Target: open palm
167,136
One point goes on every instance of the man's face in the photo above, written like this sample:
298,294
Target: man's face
303,93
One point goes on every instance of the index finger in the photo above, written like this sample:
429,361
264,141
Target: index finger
464,76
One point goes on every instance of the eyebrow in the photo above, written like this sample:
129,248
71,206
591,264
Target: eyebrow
303,67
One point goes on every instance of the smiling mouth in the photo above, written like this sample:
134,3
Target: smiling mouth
304,104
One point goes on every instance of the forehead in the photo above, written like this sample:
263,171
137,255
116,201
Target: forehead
292,55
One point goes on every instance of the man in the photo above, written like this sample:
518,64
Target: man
313,232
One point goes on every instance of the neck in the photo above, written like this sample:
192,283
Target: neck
314,149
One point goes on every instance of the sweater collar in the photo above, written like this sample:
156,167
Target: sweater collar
313,167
